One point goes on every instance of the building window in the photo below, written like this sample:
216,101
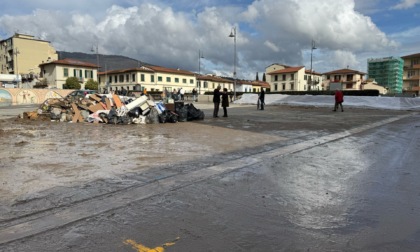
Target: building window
284,86
184,81
127,78
276,77
292,86
152,78
191,81
176,80
66,72
275,87
115,79
121,78
160,78
142,77
328,77
110,79
284,77
292,76
133,77
168,79
305,77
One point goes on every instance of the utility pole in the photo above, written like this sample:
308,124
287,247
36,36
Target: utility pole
16,52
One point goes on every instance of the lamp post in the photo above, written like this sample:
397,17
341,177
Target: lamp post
16,52
233,35
97,64
200,56
312,50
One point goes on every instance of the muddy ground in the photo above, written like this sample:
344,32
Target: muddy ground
48,165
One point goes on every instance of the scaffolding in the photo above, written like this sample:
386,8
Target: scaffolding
387,72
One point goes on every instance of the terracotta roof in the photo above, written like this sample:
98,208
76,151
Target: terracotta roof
262,84
171,70
213,78
344,71
128,70
287,70
70,62
416,55
313,72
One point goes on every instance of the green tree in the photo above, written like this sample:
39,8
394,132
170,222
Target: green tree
72,83
91,85
256,77
264,77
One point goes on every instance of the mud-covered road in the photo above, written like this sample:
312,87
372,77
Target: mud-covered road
283,179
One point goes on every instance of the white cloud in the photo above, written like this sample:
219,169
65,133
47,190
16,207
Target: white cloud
272,46
268,31
405,4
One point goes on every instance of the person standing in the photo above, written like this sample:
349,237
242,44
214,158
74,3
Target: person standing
261,98
225,101
216,101
194,93
182,93
339,99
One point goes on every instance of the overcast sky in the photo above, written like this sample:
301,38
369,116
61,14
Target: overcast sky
171,33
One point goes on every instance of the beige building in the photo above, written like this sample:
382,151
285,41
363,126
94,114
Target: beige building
151,78
370,84
343,79
411,74
56,72
22,54
208,83
287,78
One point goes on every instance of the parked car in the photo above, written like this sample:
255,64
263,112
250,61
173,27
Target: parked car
77,94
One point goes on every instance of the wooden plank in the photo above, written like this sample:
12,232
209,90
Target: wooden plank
117,101
95,97
96,107
108,104
77,117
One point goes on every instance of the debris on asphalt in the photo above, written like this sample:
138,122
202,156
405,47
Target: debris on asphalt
114,109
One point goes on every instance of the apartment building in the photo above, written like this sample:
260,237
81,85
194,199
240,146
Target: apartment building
56,72
21,55
286,78
387,72
343,79
411,74
151,78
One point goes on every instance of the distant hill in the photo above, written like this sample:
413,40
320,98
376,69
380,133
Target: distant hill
106,62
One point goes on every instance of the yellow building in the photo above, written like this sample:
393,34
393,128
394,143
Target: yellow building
411,75
56,72
22,54
151,78
208,83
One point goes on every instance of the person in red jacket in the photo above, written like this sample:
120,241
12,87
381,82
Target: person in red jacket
339,98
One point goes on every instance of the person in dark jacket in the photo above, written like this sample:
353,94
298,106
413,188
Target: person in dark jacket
339,99
225,101
216,101
261,98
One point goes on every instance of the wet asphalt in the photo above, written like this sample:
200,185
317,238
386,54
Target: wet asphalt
282,179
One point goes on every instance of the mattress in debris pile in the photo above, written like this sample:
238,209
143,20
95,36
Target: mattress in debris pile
113,109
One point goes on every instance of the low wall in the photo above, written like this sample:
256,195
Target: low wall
18,96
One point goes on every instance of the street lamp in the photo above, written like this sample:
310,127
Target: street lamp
16,52
97,64
312,50
233,35
200,56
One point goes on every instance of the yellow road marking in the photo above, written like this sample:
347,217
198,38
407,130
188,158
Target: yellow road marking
141,248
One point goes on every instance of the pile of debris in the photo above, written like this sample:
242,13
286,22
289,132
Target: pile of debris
113,109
